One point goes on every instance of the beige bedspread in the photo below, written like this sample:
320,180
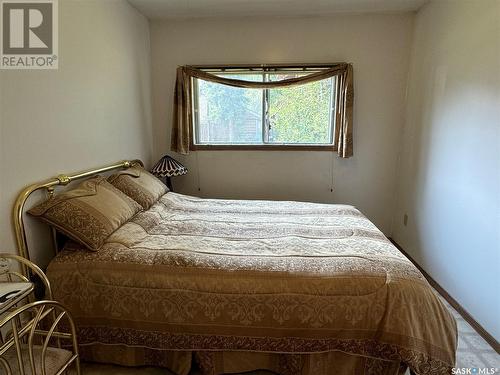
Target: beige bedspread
283,277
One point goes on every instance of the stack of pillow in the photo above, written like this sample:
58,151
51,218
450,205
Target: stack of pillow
98,206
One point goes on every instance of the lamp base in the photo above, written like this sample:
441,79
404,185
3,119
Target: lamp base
168,182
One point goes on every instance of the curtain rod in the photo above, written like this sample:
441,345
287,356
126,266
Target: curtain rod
263,66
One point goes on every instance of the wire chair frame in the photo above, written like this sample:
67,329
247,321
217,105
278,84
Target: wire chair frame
34,329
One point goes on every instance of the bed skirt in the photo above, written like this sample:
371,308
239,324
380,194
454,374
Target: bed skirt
227,362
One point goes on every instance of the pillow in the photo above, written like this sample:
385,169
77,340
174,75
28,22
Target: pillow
139,185
89,213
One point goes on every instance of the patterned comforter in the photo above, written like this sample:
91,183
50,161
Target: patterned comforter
266,276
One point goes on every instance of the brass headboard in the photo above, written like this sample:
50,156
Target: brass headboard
49,185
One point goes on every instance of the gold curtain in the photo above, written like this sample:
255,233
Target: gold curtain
183,116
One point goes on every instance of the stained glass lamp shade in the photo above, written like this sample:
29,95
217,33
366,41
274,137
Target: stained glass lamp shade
168,167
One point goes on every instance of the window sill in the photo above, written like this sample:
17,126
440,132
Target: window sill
268,147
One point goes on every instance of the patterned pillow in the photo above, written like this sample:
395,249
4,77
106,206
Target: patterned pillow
139,185
89,213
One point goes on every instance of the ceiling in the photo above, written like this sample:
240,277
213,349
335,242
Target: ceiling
164,9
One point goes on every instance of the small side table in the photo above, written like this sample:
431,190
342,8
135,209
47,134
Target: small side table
11,293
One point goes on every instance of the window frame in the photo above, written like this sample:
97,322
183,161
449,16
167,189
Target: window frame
262,69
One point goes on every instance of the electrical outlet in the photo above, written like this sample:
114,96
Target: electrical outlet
405,219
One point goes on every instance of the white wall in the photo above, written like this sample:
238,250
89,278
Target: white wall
450,164
379,48
95,109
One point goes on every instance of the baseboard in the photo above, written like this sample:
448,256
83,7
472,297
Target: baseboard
468,317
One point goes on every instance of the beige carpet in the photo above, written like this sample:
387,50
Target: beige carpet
473,352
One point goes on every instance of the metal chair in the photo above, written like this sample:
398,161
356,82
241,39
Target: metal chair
45,344
38,338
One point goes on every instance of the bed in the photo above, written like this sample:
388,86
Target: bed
235,285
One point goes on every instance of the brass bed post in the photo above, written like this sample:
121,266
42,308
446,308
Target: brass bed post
18,221
49,185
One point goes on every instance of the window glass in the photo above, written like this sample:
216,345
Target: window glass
300,114
296,115
229,115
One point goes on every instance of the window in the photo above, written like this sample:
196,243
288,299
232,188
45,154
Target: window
295,116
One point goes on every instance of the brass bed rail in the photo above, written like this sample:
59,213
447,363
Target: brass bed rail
49,185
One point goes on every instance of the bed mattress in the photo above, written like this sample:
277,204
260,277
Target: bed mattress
199,274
